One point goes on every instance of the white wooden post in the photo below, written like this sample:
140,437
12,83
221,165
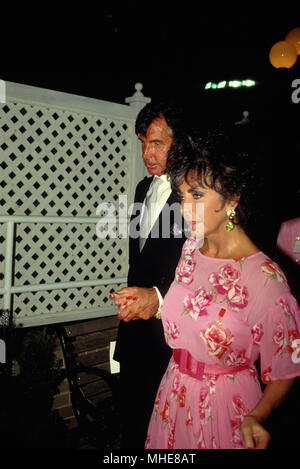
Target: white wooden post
139,171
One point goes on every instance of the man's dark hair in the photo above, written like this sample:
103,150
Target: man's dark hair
172,114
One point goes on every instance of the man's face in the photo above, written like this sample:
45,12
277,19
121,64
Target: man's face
155,146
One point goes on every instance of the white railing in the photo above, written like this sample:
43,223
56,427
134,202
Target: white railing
10,289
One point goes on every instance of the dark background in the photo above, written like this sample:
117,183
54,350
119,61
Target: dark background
173,50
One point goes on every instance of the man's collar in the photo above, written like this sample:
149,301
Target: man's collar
164,178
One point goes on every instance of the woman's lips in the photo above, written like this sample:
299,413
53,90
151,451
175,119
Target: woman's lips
193,224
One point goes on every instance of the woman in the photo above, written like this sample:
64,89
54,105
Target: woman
228,305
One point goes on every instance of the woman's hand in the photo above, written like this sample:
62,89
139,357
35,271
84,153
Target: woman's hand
254,434
135,303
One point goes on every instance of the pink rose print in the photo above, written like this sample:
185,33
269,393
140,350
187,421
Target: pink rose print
171,439
237,297
217,339
236,358
284,307
171,331
165,413
184,270
181,396
189,420
225,282
214,443
204,405
195,306
176,384
239,405
211,383
273,271
265,375
278,338
257,333
178,392
201,442
156,404
224,279
253,372
190,245
293,335
240,410
237,436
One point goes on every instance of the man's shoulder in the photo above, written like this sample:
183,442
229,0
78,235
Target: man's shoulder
143,185
145,181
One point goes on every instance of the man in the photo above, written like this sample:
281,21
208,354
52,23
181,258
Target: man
153,257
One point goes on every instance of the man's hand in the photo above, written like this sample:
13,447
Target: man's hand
135,303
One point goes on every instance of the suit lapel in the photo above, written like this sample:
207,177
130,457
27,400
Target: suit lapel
141,191
172,218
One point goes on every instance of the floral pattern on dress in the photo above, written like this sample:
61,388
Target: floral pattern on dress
165,412
178,392
189,420
186,264
156,404
225,282
204,405
168,422
273,271
266,375
217,339
211,383
257,332
279,339
293,335
224,279
195,305
171,330
185,270
284,307
283,341
236,358
240,411
208,412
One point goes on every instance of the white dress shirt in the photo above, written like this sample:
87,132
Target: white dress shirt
156,197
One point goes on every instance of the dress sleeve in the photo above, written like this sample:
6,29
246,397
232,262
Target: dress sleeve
280,341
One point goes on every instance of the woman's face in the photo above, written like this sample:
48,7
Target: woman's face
204,209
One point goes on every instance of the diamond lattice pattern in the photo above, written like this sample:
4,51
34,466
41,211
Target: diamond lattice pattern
61,163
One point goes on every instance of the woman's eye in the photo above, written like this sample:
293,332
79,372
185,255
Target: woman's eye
197,195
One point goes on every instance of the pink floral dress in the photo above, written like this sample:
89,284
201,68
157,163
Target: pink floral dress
224,312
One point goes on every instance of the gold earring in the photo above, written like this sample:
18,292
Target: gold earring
231,214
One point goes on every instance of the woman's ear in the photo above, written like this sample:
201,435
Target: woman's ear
233,202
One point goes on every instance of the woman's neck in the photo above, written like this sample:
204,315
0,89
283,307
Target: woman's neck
231,245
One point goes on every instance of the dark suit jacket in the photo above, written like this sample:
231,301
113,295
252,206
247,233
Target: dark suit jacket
141,344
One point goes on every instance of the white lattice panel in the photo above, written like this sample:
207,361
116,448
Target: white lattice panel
64,162
38,305
56,162
49,253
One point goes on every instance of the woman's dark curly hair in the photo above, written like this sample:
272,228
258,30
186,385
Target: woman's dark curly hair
219,162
